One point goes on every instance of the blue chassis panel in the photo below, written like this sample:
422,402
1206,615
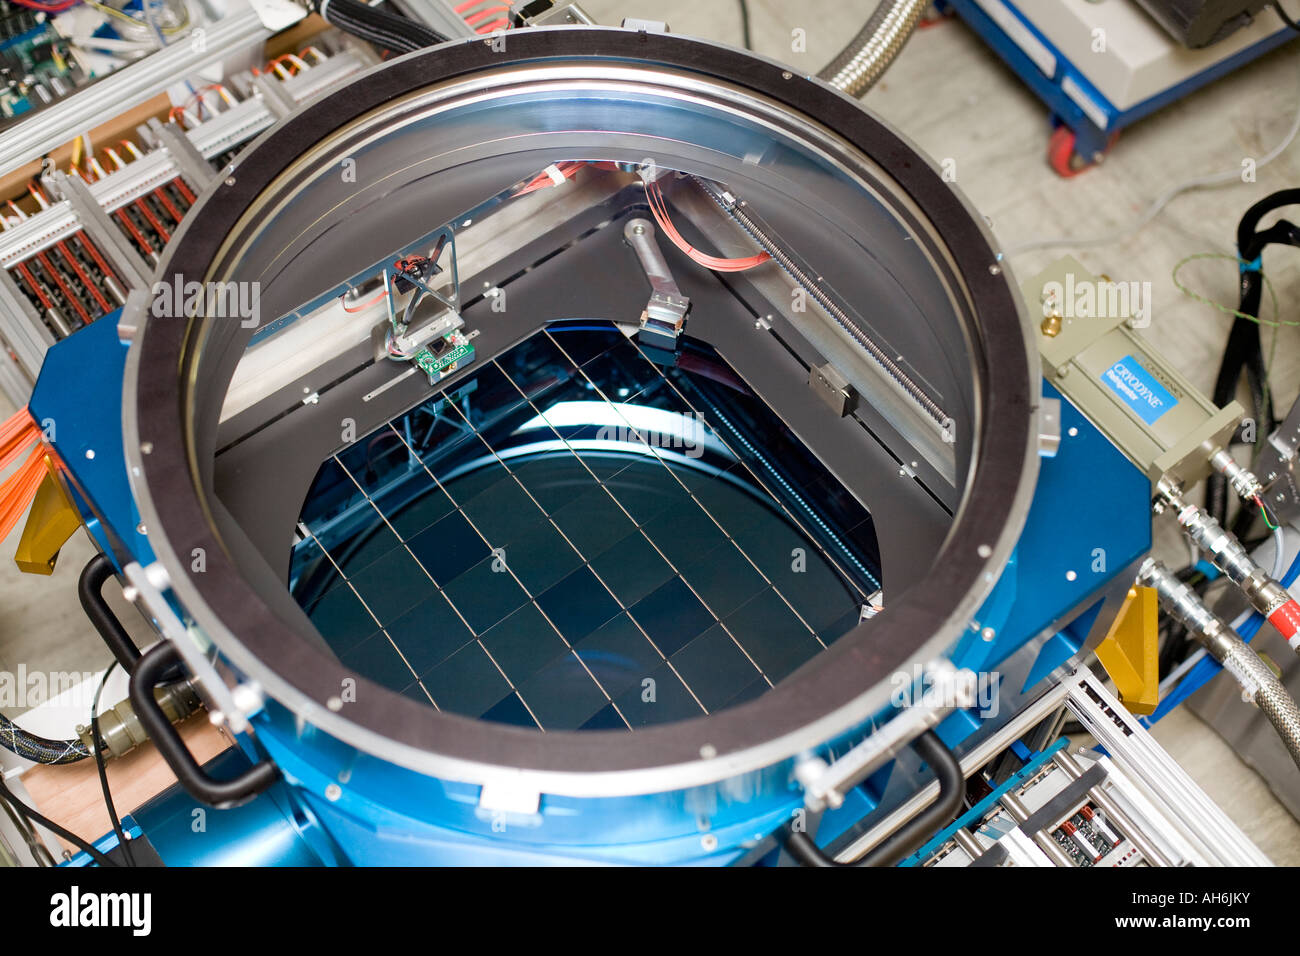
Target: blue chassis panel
1090,139
1088,525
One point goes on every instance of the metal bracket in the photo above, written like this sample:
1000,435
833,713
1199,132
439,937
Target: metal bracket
194,169
144,589
277,15
664,317
830,385
558,15
1130,651
1049,427
21,327
825,784
277,100
100,228
644,26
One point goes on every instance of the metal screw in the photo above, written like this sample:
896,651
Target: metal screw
333,791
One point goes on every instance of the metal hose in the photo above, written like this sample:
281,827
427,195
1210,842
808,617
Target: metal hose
864,61
1223,644
1270,696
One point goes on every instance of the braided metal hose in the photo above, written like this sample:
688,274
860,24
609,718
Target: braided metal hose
864,61
1223,644
1270,696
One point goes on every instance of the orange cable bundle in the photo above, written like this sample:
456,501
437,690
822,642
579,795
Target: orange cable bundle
18,490
660,211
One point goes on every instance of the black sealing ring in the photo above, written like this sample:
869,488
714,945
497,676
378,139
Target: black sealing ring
830,680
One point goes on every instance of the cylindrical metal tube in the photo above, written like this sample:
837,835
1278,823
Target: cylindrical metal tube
1242,480
1230,556
121,729
1020,814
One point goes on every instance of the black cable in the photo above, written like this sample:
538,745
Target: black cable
39,749
53,827
745,36
380,27
1276,5
913,834
122,841
1244,352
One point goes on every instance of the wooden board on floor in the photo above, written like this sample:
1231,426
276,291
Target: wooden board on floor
71,795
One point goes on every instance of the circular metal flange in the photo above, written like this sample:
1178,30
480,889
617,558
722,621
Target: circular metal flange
836,691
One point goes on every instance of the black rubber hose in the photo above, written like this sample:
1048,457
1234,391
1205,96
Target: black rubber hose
912,835
384,29
90,590
1244,351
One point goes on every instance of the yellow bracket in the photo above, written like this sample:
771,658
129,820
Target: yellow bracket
50,524
1130,652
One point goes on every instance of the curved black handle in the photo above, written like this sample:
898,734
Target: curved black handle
149,671
912,835
90,589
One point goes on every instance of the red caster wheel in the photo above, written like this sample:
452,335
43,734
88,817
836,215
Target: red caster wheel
1062,157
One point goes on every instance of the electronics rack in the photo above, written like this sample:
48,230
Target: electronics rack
99,227
1123,804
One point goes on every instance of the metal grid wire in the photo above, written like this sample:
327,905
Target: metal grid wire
553,583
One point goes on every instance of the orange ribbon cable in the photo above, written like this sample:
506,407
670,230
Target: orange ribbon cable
660,210
17,491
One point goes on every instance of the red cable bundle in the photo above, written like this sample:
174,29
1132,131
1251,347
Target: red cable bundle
18,490
58,7
476,18
660,210
565,170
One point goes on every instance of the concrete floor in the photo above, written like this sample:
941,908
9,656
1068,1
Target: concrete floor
955,100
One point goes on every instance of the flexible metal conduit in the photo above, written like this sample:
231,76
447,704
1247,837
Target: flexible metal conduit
864,61
1228,649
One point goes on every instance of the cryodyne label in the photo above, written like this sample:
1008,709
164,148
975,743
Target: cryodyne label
1138,389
